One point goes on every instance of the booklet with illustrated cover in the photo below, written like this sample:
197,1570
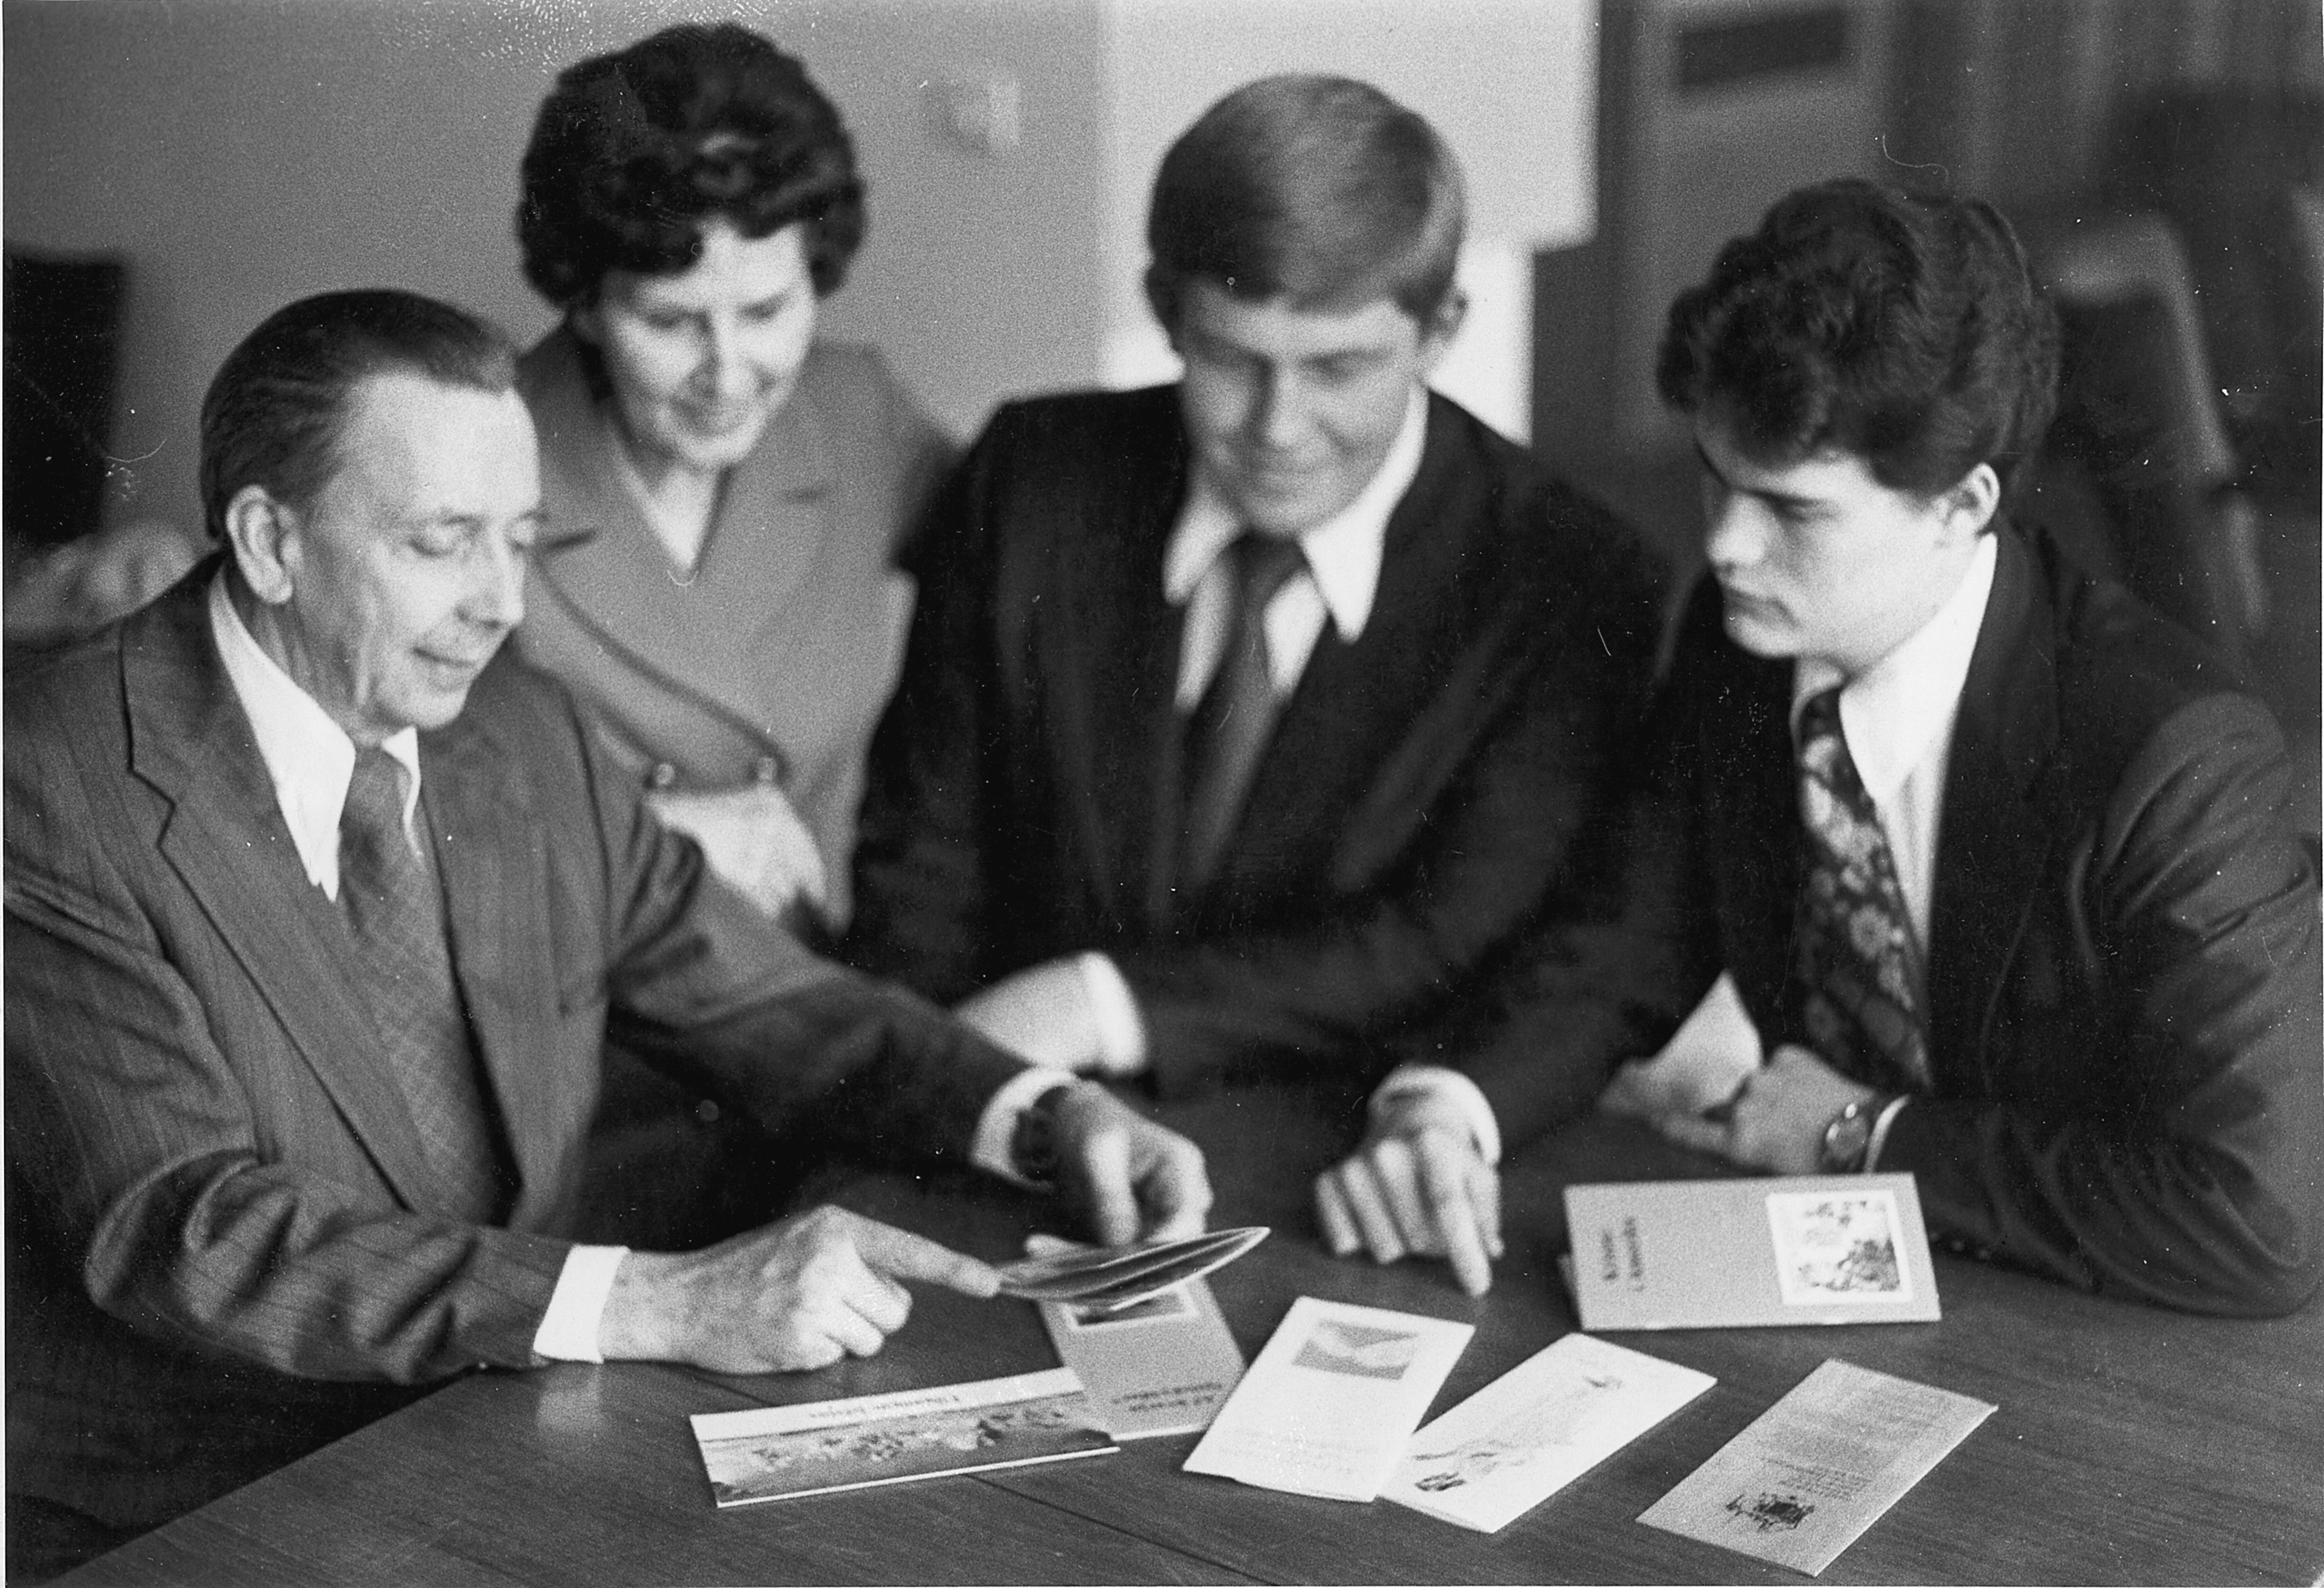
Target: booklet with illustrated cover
1819,1467
787,1451
1697,1254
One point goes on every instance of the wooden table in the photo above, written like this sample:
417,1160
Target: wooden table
2131,1445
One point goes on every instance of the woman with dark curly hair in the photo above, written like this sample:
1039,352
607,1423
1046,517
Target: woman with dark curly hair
724,492
725,498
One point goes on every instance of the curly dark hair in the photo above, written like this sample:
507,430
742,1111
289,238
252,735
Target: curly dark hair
636,151
1902,327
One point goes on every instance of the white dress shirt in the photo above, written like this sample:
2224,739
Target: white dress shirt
1898,717
310,759
1337,582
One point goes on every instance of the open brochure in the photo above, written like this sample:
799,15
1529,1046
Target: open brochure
787,1452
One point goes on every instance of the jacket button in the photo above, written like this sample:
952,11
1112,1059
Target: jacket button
662,776
707,1112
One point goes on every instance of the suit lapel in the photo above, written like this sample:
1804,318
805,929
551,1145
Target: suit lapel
1106,655
1750,813
1995,831
225,839
493,861
1391,688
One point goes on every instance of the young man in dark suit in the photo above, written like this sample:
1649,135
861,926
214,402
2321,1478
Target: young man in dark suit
316,915
1243,719
2001,862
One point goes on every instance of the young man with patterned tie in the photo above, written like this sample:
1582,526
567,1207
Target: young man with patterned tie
2002,863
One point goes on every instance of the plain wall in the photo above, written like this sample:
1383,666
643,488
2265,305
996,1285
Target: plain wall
240,153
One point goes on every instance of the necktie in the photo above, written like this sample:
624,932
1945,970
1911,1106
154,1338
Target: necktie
1855,963
1232,722
394,908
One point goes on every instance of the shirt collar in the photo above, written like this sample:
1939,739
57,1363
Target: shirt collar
309,757
1342,553
1896,710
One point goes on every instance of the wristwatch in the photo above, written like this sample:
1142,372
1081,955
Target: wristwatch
1847,1137
1033,1144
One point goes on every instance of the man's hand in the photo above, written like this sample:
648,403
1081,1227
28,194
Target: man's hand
1418,1185
1134,1180
753,841
1775,1120
800,1293
1042,1014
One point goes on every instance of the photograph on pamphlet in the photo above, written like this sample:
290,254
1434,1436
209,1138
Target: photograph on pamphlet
1838,1246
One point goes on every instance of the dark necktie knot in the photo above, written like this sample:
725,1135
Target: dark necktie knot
370,822
1820,719
1262,564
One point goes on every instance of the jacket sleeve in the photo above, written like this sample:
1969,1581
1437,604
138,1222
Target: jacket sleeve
1523,796
704,986
1615,961
143,1159
921,881
2191,1173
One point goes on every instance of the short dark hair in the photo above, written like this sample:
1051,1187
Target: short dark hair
1902,327
636,151
274,411
1319,189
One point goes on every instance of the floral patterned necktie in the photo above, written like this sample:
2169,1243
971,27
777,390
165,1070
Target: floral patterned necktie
1855,964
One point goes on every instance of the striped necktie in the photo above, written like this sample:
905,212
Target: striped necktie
1232,724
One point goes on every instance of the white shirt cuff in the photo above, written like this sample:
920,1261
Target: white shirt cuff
568,1329
1451,1087
996,1127
1120,1032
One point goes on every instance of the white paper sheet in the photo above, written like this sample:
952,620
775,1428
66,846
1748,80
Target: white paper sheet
1328,1406
1536,1428
1816,1469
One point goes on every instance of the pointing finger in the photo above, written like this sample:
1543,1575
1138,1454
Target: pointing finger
1444,1180
906,1256
1485,1200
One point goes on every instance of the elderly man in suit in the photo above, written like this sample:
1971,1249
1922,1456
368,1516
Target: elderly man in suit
1243,719
317,917
2001,862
